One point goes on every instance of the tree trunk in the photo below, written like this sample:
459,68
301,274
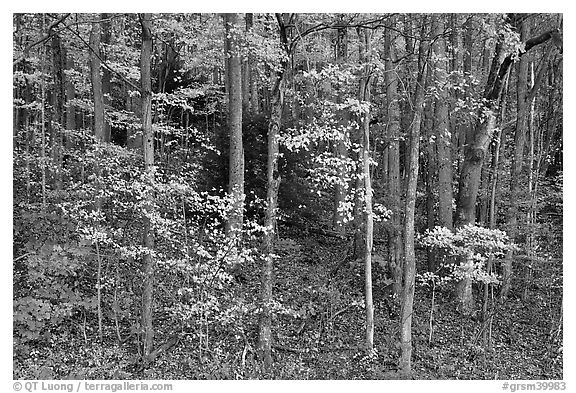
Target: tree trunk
246,70
59,61
517,161
254,105
441,131
273,183
364,96
236,163
148,265
96,79
70,95
407,298
394,232
106,76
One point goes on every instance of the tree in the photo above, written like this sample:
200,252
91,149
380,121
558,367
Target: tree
272,185
393,181
475,151
524,98
148,264
96,78
364,96
106,74
407,297
441,126
236,158
125,247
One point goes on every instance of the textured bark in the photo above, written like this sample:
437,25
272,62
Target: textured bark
407,298
394,232
148,263
236,158
522,108
364,95
96,79
441,130
246,70
70,95
273,183
106,75
58,97
253,76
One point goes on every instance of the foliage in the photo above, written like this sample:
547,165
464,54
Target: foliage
473,246
82,208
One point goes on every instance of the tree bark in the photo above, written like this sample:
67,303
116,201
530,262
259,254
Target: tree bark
395,231
58,97
522,108
106,75
407,299
246,70
96,79
149,264
441,130
70,95
252,79
273,183
236,159
364,96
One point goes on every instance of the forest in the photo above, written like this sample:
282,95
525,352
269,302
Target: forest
287,196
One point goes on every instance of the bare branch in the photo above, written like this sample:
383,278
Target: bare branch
43,39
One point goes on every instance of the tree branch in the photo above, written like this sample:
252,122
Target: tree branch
104,63
43,39
494,92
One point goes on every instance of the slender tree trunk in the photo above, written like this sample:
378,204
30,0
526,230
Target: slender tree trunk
532,187
517,161
96,79
273,183
364,96
395,231
59,61
252,80
246,71
70,95
497,152
441,130
43,117
106,76
407,298
149,264
236,166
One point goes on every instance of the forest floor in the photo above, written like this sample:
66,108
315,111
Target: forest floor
319,333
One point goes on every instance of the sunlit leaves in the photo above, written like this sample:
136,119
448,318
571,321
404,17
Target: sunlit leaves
473,245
